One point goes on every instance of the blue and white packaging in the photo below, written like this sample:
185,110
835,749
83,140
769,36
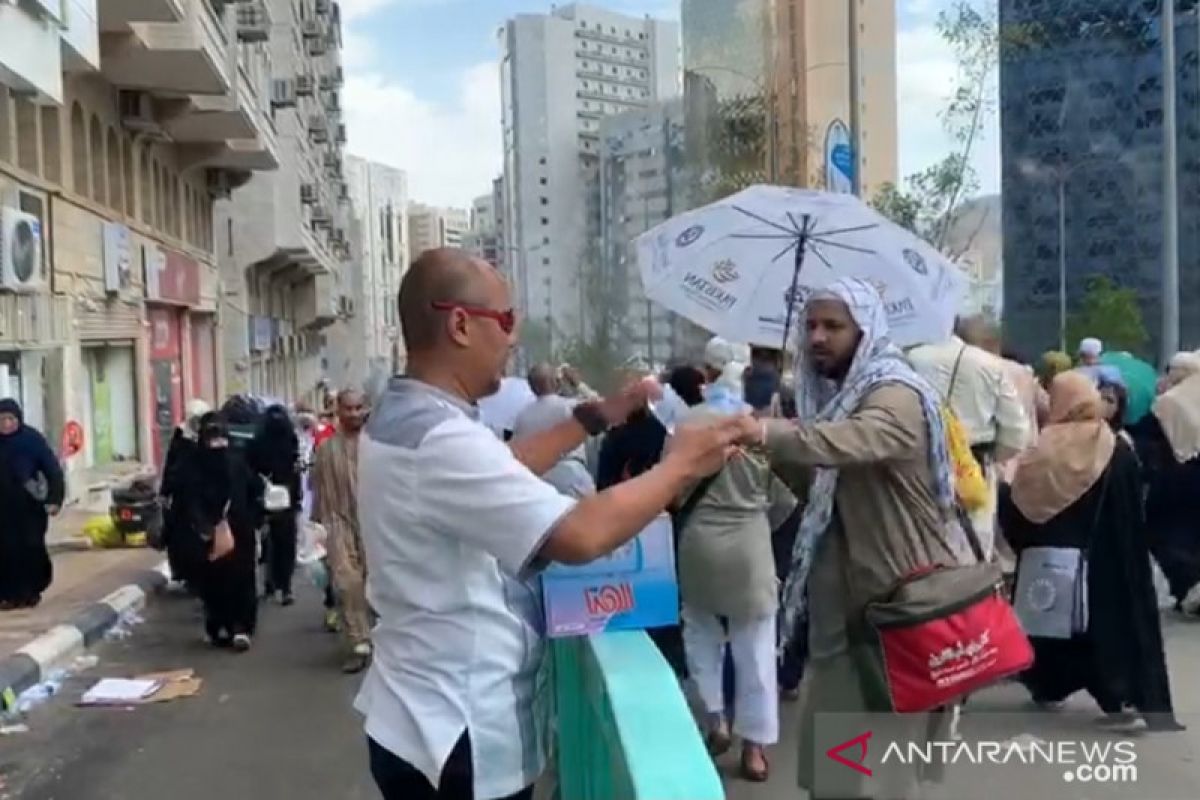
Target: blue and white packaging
631,589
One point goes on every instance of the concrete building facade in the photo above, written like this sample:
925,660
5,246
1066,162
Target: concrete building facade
780,91
430,227
642,181
483,239
114,143
379,199
283,238
560,74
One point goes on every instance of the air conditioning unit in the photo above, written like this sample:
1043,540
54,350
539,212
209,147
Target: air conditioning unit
322,6
326,82
311,29
341,134
283,93
253,22
219,184
320,216
318,129
318,47
20,251
304,85
339,77
308,193
137,114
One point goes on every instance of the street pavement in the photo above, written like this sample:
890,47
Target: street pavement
276,723
81,577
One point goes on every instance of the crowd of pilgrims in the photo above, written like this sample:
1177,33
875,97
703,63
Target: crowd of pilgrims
1121,492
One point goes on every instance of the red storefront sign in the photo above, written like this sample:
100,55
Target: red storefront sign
166,375
171,276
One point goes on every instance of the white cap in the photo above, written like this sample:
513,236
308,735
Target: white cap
197,408
719,353
1091,347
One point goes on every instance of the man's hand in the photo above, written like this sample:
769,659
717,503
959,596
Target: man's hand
635,395
700,449
749,430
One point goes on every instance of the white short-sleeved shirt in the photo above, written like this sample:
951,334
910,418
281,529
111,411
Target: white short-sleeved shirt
452,524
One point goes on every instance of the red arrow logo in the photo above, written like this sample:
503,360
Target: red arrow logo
860,742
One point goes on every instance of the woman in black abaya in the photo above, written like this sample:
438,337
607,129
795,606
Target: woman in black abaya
275,454
221,490
1079,489
31,488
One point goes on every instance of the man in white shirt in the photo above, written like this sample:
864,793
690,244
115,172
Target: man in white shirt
570,476
456,526
977,388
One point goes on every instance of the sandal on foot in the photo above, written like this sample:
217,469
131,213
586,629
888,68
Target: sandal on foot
755,774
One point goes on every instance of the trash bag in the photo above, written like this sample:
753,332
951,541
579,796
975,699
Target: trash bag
102,532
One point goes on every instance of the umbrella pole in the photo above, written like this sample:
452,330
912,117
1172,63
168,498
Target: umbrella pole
797,264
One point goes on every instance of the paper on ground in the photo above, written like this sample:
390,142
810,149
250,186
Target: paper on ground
119,691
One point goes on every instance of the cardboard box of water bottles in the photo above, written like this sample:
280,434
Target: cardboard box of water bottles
631,589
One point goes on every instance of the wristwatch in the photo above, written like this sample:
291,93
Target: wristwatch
590,416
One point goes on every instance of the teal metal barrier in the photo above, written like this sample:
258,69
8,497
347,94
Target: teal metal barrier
625,731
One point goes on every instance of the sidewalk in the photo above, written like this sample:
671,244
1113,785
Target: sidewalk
81,578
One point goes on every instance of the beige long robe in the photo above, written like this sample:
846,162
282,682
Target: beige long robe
886,522
335,506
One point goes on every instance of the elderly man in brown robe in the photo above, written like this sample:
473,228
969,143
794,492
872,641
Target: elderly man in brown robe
335,504
867,453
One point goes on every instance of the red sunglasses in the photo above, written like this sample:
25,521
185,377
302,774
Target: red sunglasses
507,319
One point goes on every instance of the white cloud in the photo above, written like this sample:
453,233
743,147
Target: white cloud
926,80
450,150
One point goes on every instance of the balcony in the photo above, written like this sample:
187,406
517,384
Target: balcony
229,131
316,302
116,16
253,22
186,57
318,129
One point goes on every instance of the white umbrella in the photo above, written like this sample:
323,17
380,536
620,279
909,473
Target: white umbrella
731,266
499,411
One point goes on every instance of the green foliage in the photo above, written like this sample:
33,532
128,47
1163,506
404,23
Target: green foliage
1110,313
929,200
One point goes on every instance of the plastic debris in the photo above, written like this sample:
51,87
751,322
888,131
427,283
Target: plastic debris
39,693
123,628
13,730
82,663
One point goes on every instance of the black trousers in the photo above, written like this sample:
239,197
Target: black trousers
281,551
399,780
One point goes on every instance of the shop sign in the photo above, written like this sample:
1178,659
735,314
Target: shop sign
171,276
118,258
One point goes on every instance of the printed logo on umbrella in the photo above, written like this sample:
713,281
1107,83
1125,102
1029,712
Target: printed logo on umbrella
690,236
916,261
797,296
725,271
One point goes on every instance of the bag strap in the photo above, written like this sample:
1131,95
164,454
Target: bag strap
689,505
954,375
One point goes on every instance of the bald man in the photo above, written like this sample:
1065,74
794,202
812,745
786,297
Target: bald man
456,524
570,476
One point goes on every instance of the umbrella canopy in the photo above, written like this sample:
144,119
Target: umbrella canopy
1141,382
499,411
732,267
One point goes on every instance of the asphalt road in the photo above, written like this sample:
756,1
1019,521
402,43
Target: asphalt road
277,724
273,724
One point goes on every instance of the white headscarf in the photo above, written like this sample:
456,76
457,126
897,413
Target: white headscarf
1178,412
819,399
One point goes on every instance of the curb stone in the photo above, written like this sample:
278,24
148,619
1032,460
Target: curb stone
57,646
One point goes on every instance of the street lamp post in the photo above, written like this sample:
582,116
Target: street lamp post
1062,261
1170,260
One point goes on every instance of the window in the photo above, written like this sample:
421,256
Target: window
542,161
542,181
546,263
545,240
97,152
545,220
79,152
545,201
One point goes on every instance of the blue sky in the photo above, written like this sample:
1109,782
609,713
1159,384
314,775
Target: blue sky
423,91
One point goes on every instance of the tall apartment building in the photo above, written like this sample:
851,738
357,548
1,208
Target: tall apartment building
379,198
1081,123
560,74
780,90
483,239
431,227
284,244
119,124
642,182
